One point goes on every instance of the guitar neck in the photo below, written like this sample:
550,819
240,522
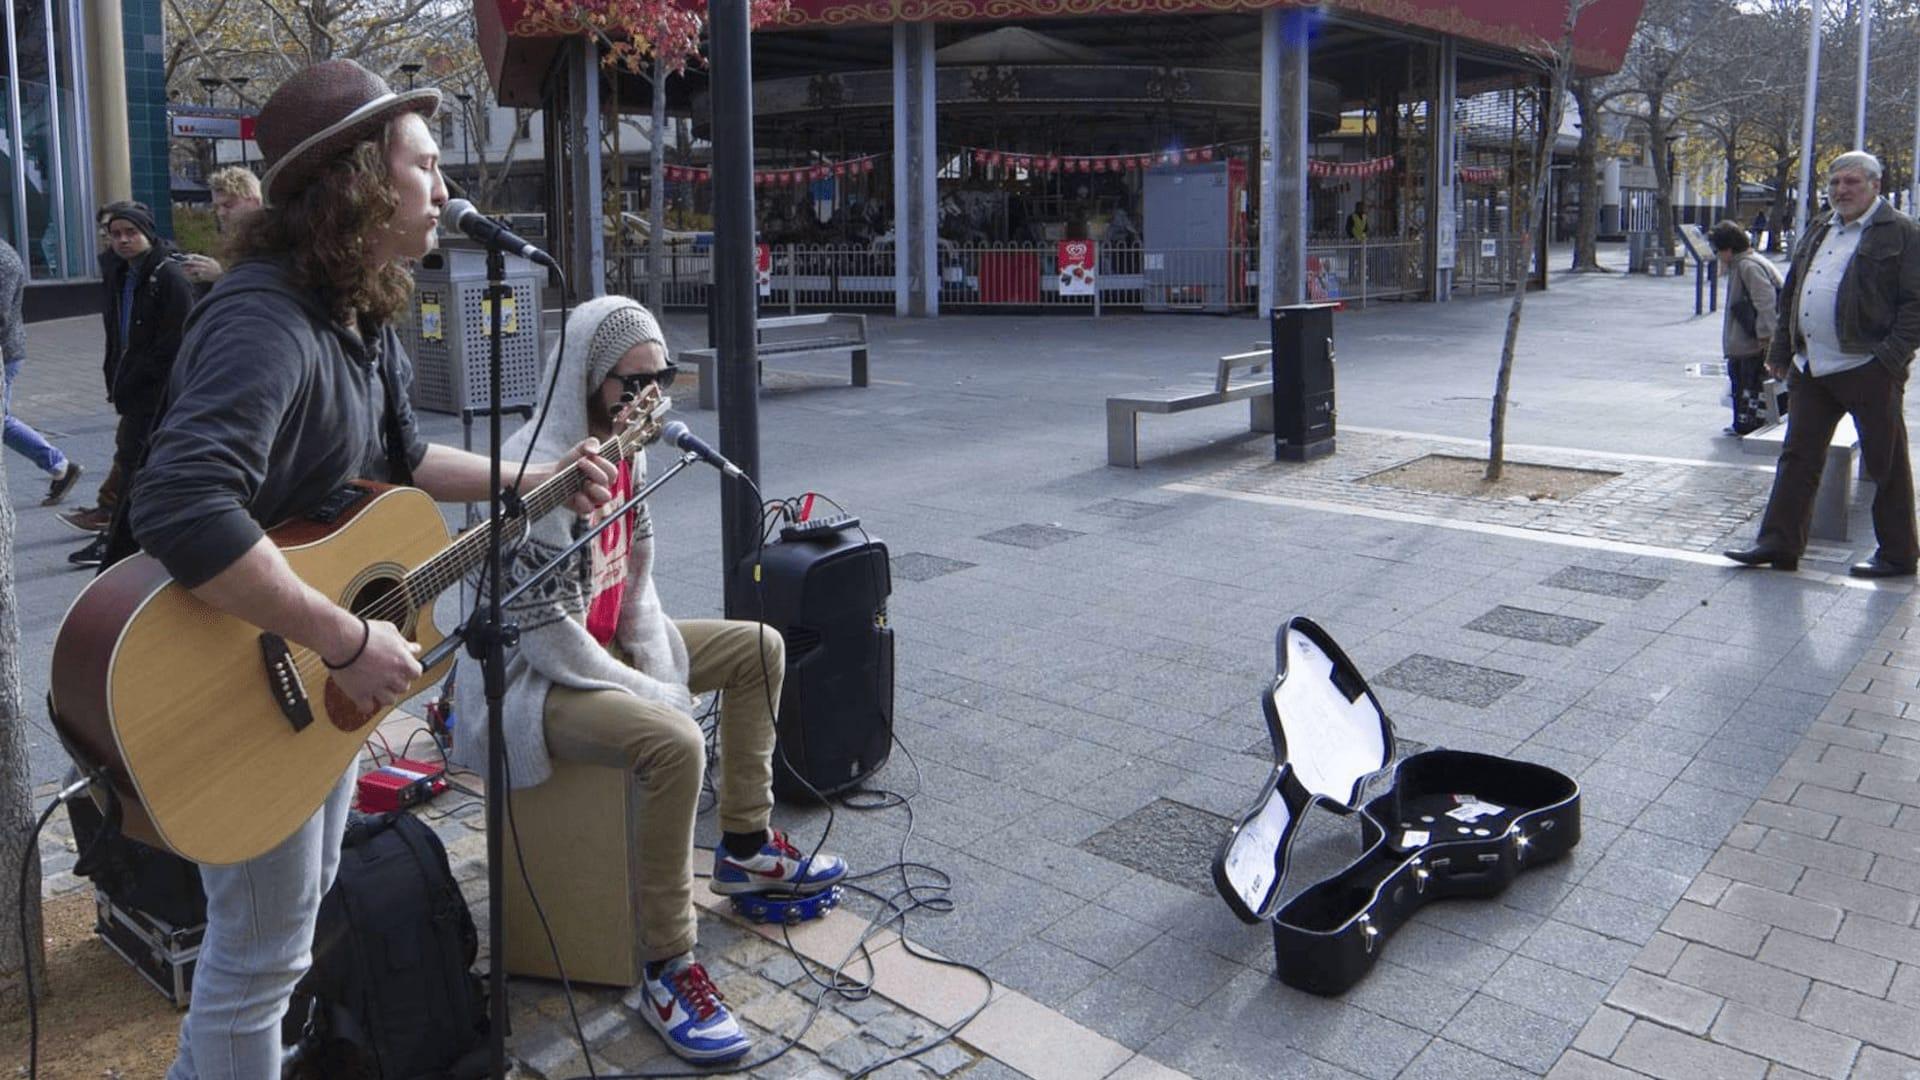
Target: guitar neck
469,550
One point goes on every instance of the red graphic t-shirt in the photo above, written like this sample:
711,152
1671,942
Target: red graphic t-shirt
609,552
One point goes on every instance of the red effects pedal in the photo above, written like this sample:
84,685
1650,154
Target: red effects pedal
400,783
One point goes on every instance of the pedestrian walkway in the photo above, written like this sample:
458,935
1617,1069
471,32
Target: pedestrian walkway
1081,651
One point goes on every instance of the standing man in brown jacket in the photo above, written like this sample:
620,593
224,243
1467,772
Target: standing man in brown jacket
1849,325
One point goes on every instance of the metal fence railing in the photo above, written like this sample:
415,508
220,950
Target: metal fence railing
1002,276
1486,261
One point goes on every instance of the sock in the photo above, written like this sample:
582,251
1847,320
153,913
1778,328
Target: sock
656,967
743,845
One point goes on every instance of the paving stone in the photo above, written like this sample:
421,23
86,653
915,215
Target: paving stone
1443,1060
1879,938
1576,949
1877,1064
1798,819
1613,916
1778,909
1879,901
920,566
1673,1055
1449,680
1031,536
1828,962
1834,857
1510,1033
1657,956
1125,509
855,1053
895,1030
1776,1038
1603,583
1603,1032
783,970
1769,872
1545,989
1882,1023
945,1059
1168,840
1525,625
1739,979
1105,937
1130,1013
1664,1002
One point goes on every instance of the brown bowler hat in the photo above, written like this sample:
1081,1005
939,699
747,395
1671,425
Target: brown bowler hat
320,113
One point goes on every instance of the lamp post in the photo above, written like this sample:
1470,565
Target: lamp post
207,83
466,136
239,83
410,69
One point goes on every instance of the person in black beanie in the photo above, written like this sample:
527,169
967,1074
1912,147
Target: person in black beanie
147,301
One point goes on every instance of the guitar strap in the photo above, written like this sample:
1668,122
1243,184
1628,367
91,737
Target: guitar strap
392,439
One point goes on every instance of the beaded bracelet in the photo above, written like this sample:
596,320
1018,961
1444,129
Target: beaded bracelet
366,633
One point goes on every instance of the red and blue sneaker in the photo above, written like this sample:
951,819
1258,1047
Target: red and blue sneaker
689,1013
777,867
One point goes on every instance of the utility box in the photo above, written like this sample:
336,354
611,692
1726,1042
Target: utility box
1194,252
1302,381
446,326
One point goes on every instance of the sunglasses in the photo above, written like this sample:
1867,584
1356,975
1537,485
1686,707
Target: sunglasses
632,385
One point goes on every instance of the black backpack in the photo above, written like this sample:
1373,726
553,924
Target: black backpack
391,994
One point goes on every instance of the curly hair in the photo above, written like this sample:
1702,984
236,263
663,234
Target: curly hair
325,232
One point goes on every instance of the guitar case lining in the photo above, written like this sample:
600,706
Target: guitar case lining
1452,823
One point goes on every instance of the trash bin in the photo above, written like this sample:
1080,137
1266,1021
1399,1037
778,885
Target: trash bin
446,326
1302,381
1637,253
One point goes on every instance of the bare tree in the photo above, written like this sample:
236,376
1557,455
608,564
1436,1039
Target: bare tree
1557,60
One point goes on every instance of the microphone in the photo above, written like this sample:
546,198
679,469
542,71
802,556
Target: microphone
462,215
679,435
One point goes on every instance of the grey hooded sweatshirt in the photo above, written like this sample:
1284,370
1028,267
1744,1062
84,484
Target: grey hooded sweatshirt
272,407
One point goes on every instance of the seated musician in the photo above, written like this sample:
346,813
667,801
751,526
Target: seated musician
602,676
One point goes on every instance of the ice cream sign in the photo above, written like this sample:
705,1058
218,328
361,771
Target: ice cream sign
1076,265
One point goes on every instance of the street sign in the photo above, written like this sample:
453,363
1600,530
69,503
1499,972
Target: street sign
210,125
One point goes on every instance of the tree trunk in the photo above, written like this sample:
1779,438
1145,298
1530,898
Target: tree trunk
1658,126
1777,214
657,189
16,796
1586,173
1733,174
1536,197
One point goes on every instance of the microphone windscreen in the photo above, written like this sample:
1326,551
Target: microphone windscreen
674,431
456,211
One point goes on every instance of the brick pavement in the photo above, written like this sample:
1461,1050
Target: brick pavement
1081,650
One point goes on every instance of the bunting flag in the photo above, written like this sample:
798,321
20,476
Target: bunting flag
985,157
1482,174
1326,170
824,170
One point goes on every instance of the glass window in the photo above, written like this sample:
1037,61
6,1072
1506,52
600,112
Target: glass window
33,78
9,146
76,171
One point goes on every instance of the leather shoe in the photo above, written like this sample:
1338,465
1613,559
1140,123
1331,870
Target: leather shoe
1762,556
1878,567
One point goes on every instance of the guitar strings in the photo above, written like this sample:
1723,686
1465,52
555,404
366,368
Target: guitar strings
436,574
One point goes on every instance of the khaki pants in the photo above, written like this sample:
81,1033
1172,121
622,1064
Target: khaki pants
664,746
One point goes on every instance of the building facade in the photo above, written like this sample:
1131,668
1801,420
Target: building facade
82,121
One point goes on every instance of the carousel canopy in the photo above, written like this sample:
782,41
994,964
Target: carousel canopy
518,43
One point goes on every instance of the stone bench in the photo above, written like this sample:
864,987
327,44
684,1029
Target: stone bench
1833,503
1123,410
831,332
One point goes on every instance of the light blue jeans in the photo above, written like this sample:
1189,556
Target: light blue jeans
21,438
259,941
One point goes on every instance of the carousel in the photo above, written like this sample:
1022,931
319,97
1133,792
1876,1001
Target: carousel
1139,133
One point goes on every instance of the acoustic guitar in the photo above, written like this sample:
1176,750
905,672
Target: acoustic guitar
221,739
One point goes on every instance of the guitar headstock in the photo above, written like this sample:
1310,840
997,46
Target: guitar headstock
637,419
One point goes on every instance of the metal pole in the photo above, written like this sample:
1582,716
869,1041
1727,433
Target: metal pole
1803,206
1269,252
1913,172
733,278
1860,90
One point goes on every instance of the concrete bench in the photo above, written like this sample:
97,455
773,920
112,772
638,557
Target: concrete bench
831,332
1834,501
1123,410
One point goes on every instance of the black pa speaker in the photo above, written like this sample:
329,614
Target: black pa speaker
826,595
1302,381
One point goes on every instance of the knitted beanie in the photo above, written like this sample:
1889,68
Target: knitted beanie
138,216
627,325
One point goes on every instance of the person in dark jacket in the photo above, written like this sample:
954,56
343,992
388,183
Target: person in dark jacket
148,297
291,382
96,518
1848,328
1748,322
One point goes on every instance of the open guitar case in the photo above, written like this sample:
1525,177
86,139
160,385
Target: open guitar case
1452,823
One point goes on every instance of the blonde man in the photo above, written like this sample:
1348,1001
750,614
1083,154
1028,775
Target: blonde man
236,193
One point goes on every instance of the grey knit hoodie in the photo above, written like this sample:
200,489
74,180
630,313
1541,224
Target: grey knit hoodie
554,644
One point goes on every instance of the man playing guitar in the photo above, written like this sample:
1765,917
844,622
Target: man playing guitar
290,383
